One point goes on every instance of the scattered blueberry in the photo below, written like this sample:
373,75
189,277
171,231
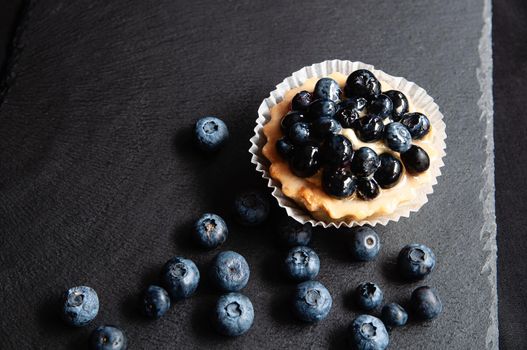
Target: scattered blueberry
400,103
251,208
362,83
234,314
108,338
230,271
210,230
416,261
284,147
305,160
397,137
417,123
155,302
312,301
367,189
368,296
389,172
426,303
365,162
368,333
211,133
299,133
80,306
381,105
180,277
289,119
302,263
327,88
293,233
394,315
323,127
338,182
322,108
369,128
365,243
301,101
337,150
415,160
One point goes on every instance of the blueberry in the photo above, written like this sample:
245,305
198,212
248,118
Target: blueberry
338,182
368,296
327,88
180,277
234,314
230,271
155,302
416,261
312,301
337,150
108,338
368,333
389,172
394,315
305,160
211,133
284,147
349,111
367,189
251,208
426,303
415,160
289,119
299,133
397,137
400,103
80,306
293,233
365,243
417,123
365,162
381,105
322,108
362,83
369,128
210,230
302,263
324,127
353,103
301,101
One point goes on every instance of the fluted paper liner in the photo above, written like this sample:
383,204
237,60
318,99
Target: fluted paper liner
417,95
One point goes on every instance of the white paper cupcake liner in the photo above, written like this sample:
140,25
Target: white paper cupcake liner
419,99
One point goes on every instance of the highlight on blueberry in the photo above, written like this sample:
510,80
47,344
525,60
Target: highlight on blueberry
211,133
362,83
400,104
155,302
337,150
312,301
381,105
417,123
301,263
397,137
80,305
367,189
338,182
322,108
416,261
390,171
327,88
210,230
301,101
305,160
415,160
289,119
234,314
369,128
180,277
365,162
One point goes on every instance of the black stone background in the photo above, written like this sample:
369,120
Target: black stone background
509,31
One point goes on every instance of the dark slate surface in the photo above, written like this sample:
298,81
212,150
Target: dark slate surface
100,181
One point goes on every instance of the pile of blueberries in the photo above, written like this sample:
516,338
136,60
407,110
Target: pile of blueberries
313,141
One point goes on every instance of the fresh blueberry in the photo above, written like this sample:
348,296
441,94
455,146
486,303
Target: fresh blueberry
368,333
289,119
394,315
210,230
381,105
305,160
230,271
365,162
415,160
353,103
327,88
400,103
349,111
417,123
416,261
367,189
324,127
211,133
180,277
389,172
369,128
251,208
108,338
337,150
302,263
426,303
368,296
365,243
397,137
312,301
301,101
338,182
155,302
234,314
284,147
362,83
293,233
322,108
299,133
80,306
